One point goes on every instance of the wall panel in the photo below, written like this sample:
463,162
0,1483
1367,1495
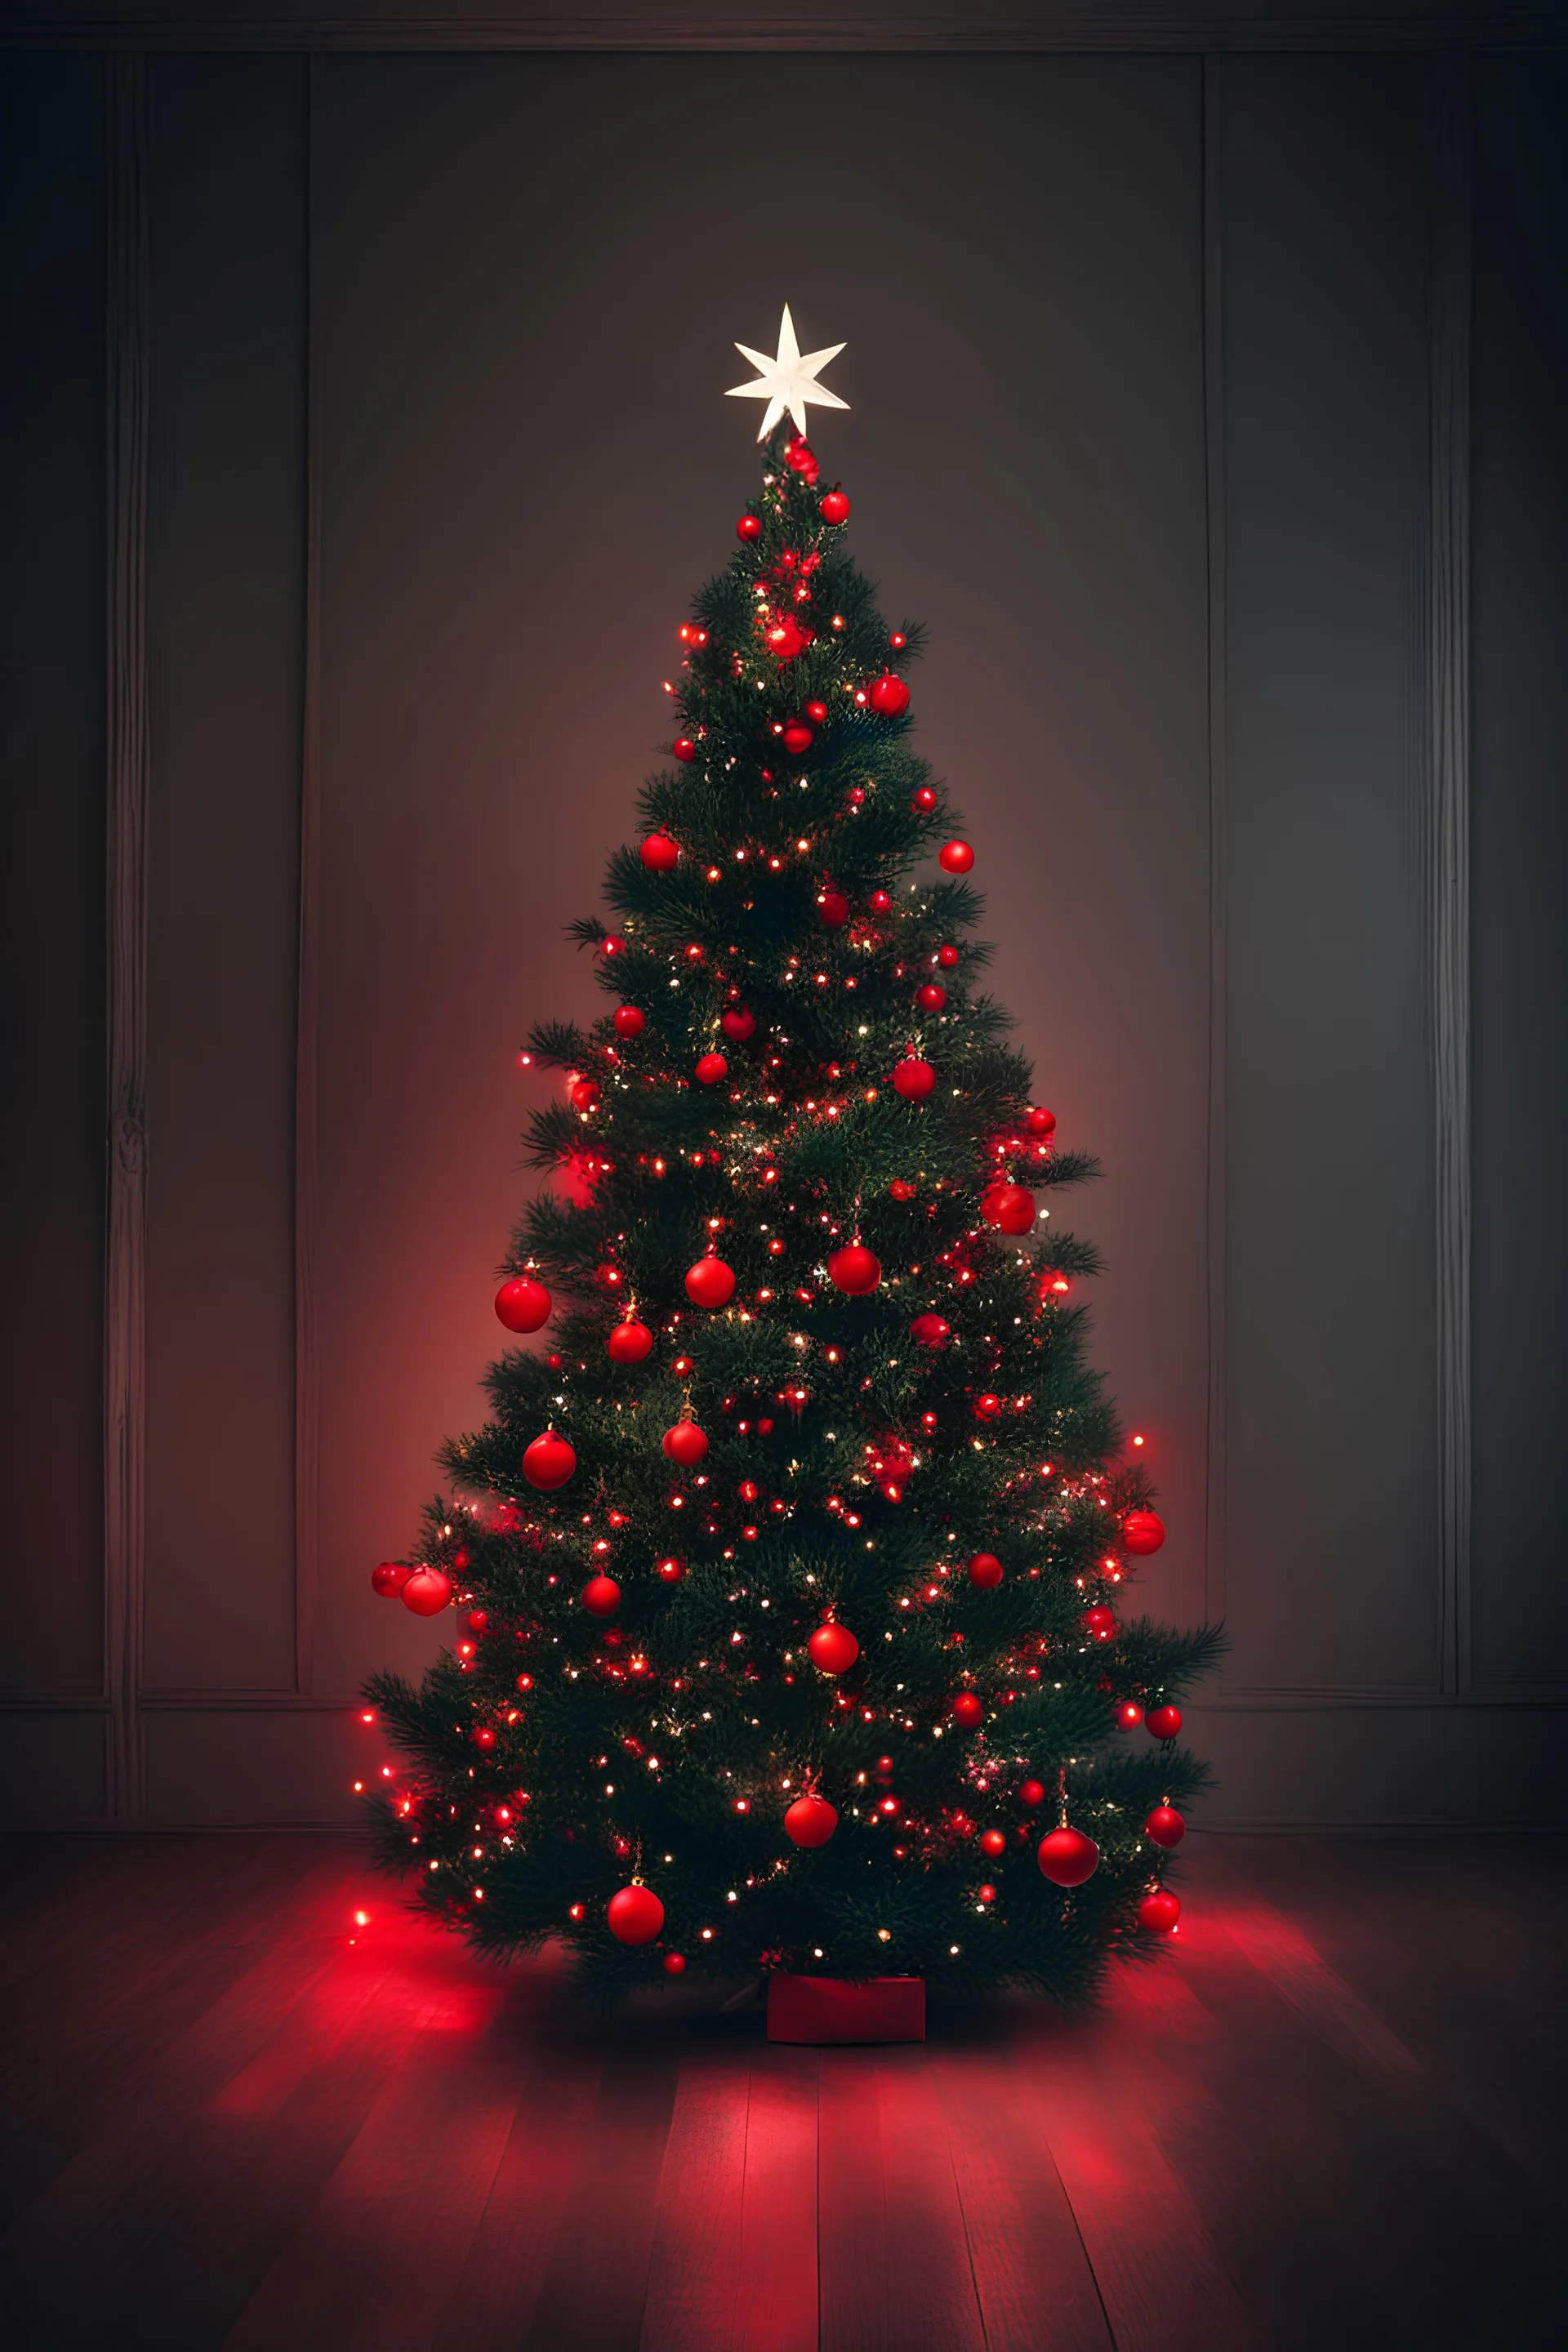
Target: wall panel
52,867
226,637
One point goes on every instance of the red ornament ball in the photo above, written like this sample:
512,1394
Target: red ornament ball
1160,1911
786,638
810,1821
834,908
835,507
389,1579
985,1571
522,1303
833,1649
924,801
914,1079
600,1596
992,1842
1032,1792
549,1462
671,1570
1040,1122
947,957
1010,1207
636,1915
1165,1826
582,1093
797,737
818,713
969,1708
987,1406
1099,1623
931,1331
684,748
1128,1715
674,1964
427,1591
685,1443
659,852
854,1270
737,1025
1068,1857
932,997
479,1620
801,458
630,1021
1163,1722
956,857
712,1069
484,1739
880,903
629,1342
711,1284
1142,1532
749,526
890,696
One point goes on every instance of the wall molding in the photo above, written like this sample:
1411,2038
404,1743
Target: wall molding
1448,744
1069,27
125,1422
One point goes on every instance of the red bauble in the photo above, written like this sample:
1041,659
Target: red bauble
810,1821
685,1443
901,1190
987,1406
835,507
1128,1715
854,1269
801,458
484,1739
389,1579
684,748
1142,1532
600,1596
749,526
969,1708
834,908
914,1078
582,1093
630,1021
737,1025
1099,1623
786,638
629,1342
986,1570
674,1965
797,737
956,857
522,1303
947,957
671,1570
636,1915
711,1069
932,997
818,713
992,1842
1010,1207
890,696
1160,1911
479,1620
427,1591
1032,1792
659,852
1165,1826
549,1462
924,801
880,903
1068,1857
1040,1122
930,1330
711,1284
833,1649
1163,1722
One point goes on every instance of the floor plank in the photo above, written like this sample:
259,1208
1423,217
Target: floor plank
777,2287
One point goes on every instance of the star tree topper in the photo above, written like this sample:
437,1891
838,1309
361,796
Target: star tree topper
789,381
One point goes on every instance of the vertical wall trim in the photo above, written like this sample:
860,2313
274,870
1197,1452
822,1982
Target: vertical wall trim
1214,476
1448,830
127,390
307,1165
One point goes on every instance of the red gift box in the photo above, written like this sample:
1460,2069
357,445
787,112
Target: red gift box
830,2009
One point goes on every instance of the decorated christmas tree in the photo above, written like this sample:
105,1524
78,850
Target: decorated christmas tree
790,1571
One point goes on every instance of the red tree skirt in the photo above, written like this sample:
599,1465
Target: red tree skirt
830,2009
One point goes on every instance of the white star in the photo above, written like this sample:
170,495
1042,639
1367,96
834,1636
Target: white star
789,381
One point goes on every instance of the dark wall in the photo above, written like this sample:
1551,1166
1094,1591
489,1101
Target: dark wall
1140,371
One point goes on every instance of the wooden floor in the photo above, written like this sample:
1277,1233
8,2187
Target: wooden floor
1339,2116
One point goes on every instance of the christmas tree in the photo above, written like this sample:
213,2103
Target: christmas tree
791,1573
